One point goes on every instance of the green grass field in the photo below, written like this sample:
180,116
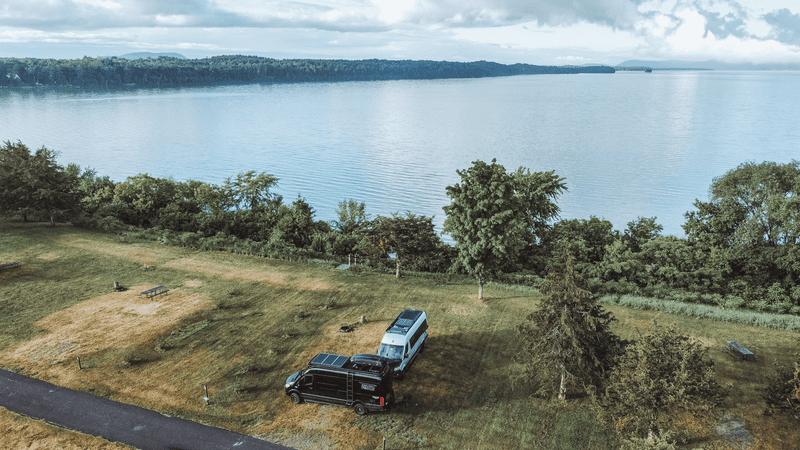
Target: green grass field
240,325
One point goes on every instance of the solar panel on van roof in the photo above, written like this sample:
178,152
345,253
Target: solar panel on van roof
329,360
404,321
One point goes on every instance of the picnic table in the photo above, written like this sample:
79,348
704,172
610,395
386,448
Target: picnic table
9,265
741,350
158,290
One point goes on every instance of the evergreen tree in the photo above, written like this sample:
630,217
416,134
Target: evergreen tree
567,341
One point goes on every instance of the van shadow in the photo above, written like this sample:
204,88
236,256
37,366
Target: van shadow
460,371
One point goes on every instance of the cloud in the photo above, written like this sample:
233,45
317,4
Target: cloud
785,26
50,15
732,23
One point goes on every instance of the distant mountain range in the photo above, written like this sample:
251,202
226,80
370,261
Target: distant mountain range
145,55
705,65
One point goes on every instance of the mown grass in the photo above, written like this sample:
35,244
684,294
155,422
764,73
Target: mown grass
241,324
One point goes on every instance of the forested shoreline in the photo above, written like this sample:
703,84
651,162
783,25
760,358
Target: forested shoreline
116,72
740,250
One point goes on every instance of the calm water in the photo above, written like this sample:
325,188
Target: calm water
629,144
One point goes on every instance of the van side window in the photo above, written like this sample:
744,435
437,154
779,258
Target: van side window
418,334
368,387
330,382
308,380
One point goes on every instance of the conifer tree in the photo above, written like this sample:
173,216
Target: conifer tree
567,342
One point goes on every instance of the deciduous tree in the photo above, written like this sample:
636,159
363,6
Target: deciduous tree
661,374
408,237
34,183
495,214
752,221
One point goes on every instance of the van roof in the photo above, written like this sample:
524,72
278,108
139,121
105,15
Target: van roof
363,362
328,359
404,321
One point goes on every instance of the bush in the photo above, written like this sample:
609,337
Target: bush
782,393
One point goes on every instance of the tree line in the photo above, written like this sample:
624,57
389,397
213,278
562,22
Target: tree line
740,250
115,72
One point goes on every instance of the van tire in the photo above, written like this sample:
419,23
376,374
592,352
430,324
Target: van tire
296,398
360,409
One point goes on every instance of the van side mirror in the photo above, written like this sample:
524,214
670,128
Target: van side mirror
406,356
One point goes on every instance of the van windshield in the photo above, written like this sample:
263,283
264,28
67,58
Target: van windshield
391,351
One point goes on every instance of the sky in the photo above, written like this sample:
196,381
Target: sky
549,32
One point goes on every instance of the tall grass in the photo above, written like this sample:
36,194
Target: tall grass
787,322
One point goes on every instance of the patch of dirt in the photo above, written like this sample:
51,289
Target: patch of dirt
231,272
118,319
143,255
48,256
51,353
311,284
227,271
193,283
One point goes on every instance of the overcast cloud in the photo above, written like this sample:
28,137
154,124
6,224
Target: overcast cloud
532,31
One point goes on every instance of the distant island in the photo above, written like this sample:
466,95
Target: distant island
701,65
145,55
159,70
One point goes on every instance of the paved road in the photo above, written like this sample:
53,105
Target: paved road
115,421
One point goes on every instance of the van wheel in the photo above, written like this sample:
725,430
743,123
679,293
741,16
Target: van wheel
360,409
296,398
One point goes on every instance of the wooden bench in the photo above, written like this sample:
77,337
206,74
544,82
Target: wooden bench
9,265
730,352
743,351
158,290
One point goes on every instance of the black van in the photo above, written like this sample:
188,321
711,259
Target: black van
363,382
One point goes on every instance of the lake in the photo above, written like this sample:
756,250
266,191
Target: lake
629,144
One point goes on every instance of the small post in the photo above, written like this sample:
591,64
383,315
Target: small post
205,388
363,319
384,443
79,363
348,260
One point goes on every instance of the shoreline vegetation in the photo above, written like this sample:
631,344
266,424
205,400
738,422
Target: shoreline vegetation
164,71
741,251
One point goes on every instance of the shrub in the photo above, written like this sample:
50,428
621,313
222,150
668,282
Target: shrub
782,393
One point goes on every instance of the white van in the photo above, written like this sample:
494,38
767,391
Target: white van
404,340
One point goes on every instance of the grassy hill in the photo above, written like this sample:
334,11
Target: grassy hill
242,324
